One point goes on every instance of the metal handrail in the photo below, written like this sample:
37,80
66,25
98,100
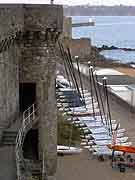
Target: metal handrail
29,111
29,116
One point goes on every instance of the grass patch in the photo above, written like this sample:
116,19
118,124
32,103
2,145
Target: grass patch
67,131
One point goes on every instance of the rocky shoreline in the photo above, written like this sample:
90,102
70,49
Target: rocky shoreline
87,52
105,47
101,60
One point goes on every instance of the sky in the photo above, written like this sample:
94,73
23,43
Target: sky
75,2
98,2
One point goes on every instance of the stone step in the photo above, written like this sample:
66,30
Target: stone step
36,172
36,169
4,124
9,137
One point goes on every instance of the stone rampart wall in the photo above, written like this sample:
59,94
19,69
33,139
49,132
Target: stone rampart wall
112,96
67,28
11,21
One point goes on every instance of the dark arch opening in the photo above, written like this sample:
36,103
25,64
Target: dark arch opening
30,145
27,95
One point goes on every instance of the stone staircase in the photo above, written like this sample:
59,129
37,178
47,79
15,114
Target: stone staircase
8,138
8,133
30,118
36,173
34,169
4,124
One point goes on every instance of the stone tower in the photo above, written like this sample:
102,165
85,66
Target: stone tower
28,35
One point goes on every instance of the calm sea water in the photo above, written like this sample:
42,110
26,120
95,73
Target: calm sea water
109,30
120,55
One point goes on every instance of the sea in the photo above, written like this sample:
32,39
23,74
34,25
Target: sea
116,31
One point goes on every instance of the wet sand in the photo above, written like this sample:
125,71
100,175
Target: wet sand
79,167
82,167
128,71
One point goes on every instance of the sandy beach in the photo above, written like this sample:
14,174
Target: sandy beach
79,167
82,167
126,70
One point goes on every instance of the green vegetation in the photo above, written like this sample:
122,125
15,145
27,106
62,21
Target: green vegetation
34,178
67,132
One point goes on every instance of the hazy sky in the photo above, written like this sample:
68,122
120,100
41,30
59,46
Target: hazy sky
97,2
75,2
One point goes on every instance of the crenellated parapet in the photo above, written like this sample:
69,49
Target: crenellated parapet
43,23
48,37
34,22
42,17
11,20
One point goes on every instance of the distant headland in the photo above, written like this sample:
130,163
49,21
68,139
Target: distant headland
99,10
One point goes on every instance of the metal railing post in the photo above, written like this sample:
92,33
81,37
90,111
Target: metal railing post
33,111
29,114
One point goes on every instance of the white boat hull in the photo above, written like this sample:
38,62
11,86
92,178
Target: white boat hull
66,150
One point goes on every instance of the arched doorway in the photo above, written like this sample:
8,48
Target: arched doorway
30,145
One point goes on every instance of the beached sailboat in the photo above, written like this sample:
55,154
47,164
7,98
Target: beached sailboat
92,113
118,147
66,150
